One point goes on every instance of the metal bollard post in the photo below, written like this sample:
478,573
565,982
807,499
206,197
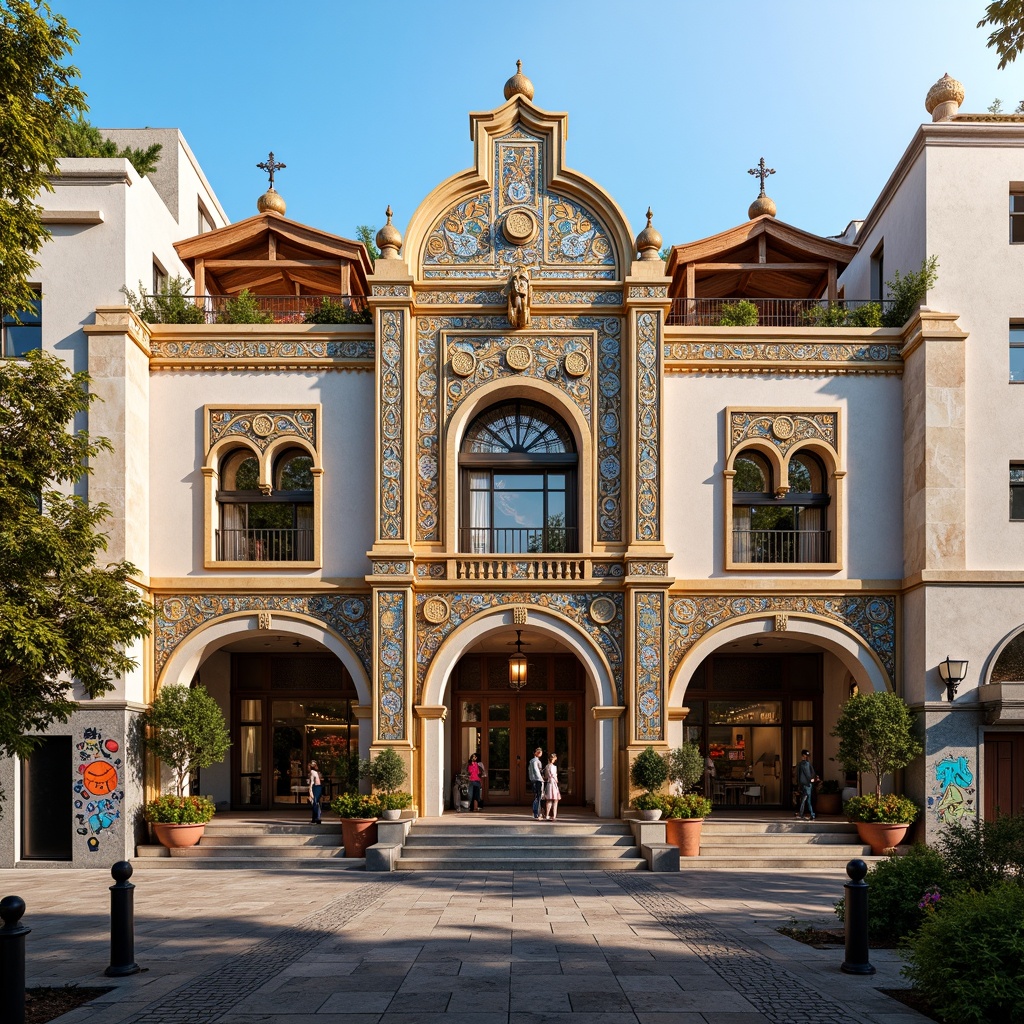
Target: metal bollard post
122,923
856,961
12,960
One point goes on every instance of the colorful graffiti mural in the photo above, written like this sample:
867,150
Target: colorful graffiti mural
98,792
954,781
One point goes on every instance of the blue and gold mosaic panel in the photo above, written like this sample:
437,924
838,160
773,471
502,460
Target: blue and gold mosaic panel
391,447
783,430
391,639
648,461
873,618
178,615
196,352
261,427
574,606
650,669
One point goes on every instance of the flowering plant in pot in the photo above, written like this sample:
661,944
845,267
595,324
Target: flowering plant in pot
684,817
359,813
386,773
876,735
829,797
648,772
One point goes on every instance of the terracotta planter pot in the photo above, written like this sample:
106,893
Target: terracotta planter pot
881,836
684,833
176,837
357,834
828,803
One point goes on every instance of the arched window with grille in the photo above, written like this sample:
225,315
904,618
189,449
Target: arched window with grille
518,472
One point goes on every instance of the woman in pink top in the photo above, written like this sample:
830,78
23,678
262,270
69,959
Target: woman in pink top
477,773
552,794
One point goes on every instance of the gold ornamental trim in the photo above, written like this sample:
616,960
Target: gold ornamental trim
519,357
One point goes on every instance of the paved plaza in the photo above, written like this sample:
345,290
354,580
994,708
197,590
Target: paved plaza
460,948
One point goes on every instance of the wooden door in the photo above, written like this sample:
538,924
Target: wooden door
1004,774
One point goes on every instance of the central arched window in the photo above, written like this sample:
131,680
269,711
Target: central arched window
518,472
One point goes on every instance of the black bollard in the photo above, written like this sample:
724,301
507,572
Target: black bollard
122,923
856,961
12,961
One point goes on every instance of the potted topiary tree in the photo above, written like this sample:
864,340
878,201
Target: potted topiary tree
648,772
685,812
876,735
359,814
186,731
386,773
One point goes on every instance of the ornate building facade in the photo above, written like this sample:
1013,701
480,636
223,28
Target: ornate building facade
707,494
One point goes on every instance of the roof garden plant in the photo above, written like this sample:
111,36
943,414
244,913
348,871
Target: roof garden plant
244,308
171,305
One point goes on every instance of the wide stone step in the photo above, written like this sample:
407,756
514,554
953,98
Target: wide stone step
471,833
519,842
774,828
520,864
467,854
297,841
782,840
833,862
250,852
257,829
160,863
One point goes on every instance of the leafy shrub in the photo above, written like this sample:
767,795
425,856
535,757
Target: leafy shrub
829,786
887,810
331,312
180,810
831,315
686,765
867,315
171,306
649,771
187,731
689,805
967,956
396,801
908,291
78,138
356,805
897,886
649,802
386,771
244,308
738,314
980,854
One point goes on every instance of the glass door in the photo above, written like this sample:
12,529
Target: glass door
249,750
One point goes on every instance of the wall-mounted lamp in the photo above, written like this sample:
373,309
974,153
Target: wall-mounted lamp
517,664
952,674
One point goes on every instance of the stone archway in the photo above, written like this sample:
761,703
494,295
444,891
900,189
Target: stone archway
436,692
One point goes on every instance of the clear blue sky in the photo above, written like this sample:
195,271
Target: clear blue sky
669,102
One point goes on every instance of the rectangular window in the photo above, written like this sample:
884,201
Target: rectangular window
1017,218
159,279
1017,491
1016,353
20,338
205,223
877,283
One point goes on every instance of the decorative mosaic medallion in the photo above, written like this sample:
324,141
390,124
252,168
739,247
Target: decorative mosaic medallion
783,427
436,610
649,703
519,357
602,610
391,702
519,226
262,425
577,364
463,362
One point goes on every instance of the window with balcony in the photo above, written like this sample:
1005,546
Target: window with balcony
780,523
518,467
23,333
258,523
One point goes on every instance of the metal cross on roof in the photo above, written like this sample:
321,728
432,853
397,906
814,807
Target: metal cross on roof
270,165
760,170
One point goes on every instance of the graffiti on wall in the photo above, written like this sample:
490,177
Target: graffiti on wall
98,791
954,789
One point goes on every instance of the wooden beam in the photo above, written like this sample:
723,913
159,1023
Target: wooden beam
200,277
691,281
778,267
762,248
744,281
832,294
261,264
346,279
272,245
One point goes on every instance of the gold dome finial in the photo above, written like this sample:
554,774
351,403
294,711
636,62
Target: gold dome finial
763,205
271,201
944,98
648,242
519,84
389,239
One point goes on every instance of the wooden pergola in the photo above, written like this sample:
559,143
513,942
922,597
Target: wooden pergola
763,258
270,255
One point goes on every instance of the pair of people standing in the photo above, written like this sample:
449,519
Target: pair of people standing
544,779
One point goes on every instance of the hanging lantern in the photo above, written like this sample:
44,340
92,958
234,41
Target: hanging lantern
517,665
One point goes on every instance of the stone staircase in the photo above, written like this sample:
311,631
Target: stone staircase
781,843
260,845
517,845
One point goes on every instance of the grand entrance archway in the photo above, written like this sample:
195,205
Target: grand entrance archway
505,726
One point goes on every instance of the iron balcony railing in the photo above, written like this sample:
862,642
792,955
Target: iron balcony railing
265,545
777,312
486,540
283,309
781,546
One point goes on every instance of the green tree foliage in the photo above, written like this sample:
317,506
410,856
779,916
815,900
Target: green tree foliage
188,731
331,312
78,138
908,291
62,615
649,771
367,234
686,765
386,771
171,306
37,95
876,735
244,308
1007,19
738,314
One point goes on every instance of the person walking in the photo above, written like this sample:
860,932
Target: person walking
552,794
535,775
316,788
805,780
477,773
